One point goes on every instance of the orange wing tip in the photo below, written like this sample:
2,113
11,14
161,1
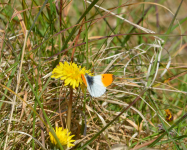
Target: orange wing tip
107,79
84,79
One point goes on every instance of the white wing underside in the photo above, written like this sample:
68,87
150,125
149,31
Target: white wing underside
97,88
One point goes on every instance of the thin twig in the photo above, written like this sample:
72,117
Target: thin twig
153,88
17,87
23,133
60,114
76,41
137,26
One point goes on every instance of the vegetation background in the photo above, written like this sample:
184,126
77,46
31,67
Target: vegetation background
141,42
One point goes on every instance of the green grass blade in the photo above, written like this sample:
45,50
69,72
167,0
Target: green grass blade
37,16
175,124
75,28
174,18
45,115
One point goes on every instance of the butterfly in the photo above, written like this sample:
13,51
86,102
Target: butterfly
169,116
96,85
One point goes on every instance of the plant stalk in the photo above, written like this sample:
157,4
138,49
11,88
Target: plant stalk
69,109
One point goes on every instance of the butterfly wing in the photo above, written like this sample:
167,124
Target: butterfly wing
96,85
97,89
107,79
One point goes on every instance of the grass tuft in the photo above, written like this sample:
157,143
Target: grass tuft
143,44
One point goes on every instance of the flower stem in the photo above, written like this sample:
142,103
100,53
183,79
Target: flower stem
69,109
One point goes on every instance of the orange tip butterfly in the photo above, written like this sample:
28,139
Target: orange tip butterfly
96,85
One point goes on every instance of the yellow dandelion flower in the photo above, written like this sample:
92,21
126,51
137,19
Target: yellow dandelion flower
70,73
64,137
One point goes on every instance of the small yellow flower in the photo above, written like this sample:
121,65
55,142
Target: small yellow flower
63,136
69,72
